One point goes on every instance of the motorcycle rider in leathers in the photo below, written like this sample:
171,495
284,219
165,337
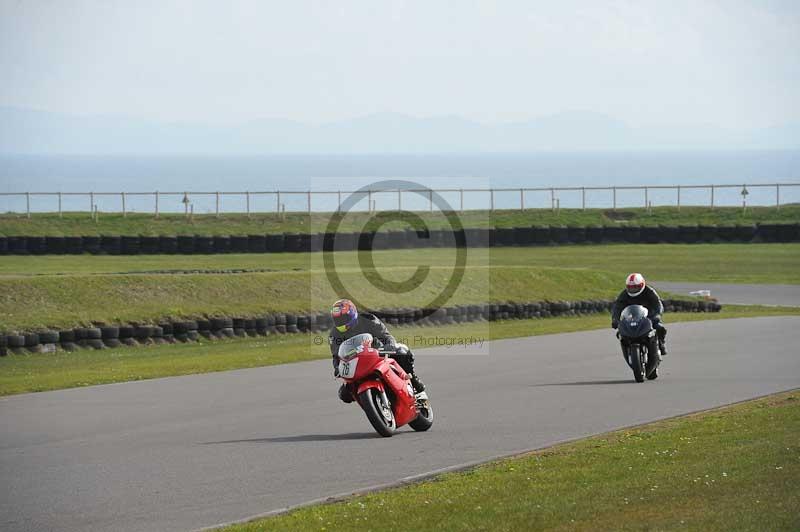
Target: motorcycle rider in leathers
348,322
638,293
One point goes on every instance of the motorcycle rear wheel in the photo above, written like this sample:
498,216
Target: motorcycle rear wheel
380,415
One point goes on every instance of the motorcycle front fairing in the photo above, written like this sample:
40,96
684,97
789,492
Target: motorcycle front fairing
363,365
634,324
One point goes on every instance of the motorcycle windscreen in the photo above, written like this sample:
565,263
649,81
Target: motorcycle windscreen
633,313
351,347
633,321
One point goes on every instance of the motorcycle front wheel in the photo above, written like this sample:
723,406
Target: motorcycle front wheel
379,412
636,362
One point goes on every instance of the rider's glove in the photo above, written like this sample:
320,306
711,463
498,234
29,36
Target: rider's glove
656,319
614,324
336,371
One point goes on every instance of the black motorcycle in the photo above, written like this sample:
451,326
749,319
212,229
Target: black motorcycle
639,342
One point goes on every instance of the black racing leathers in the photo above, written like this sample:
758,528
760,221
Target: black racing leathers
366,323
649,299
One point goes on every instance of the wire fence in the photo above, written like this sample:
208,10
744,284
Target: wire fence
459,199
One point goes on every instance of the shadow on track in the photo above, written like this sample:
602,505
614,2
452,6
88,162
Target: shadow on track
302,438
583,383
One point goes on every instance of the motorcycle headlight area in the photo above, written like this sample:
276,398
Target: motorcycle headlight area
350,354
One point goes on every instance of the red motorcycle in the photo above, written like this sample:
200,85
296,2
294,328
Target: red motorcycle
382,388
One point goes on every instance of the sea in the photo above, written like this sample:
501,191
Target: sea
194,180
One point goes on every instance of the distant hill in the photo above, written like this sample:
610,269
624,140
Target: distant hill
27,131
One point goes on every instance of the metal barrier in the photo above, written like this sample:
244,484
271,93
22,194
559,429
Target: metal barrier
278,197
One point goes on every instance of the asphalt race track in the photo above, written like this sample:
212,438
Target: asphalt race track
189,452
785,295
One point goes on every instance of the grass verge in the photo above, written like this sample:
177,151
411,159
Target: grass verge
734,468
42,372
81,223
65,291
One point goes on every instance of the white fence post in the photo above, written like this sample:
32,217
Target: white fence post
156,203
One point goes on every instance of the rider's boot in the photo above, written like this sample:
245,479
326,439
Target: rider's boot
346,394
417,383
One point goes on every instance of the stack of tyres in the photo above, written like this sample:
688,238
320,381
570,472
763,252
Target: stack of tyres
614,233
54,245
185,244
148,245
688,234
129,245
222,244
670,234
275,243
3,245
577,234
17,245
73,245
238,243
204,245
36,245
594,234
257,243
168,244
109,334
560,234
707,233
632,234
745,233
523,236
110,244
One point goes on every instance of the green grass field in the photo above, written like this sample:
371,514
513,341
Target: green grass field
79,224
735,468
52,371
66,291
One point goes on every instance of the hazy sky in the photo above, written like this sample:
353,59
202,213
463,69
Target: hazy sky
673,62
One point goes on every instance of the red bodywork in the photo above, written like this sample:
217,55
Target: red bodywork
385,374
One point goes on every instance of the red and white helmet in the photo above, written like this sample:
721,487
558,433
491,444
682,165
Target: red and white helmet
634,284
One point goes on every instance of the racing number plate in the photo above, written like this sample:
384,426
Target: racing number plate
347,368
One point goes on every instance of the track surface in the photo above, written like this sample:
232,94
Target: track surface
188,452
785,295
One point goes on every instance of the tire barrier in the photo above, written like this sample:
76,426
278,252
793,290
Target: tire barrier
110,244
614,233
257,243
221,244
130,245
36,245
204,245
632,234
215,328
560,234
17,245
149,245
185,244
54,245
408,239
239,244
168,245
576,235
688,234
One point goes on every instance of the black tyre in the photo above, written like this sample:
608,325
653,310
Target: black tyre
636,363
424,419
48,337
378,412
653,375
